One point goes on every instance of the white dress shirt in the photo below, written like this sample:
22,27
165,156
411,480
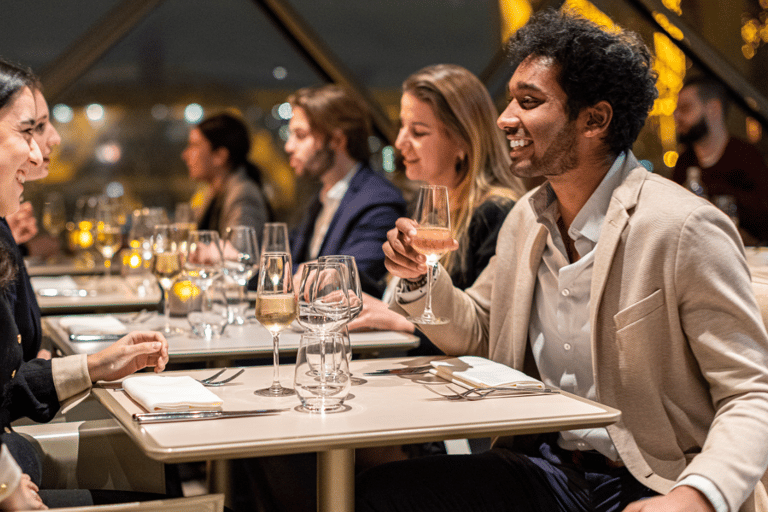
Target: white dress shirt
559,330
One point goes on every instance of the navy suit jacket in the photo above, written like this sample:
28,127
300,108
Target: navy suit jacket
359,227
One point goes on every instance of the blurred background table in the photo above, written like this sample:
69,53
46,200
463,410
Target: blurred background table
238,341
95,293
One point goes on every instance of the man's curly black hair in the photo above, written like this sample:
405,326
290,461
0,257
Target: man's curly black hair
595,65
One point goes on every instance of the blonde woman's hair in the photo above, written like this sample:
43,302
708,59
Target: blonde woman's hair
462,103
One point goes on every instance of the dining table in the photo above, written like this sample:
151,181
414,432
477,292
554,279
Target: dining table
387,410
250,340
75,294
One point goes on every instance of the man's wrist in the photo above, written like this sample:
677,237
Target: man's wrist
408,285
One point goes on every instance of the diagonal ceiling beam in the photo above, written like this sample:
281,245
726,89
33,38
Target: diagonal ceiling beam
311,46
81,55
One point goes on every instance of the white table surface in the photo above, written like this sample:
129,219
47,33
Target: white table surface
104,295
238,341
387,410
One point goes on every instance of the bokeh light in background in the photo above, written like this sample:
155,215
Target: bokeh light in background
193,113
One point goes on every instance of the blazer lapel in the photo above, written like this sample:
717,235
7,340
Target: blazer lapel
522,295
623,200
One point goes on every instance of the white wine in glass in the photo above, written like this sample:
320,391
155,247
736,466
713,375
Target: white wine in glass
167,263
275,309
276,312
433,239
54,215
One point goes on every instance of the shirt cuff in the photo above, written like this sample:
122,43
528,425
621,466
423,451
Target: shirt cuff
10,473
707,488
406,294
70,376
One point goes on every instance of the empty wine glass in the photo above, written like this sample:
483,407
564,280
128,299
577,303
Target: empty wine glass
355,292
432,239
275,309
166,265
323,297
275,238
204,257
241,253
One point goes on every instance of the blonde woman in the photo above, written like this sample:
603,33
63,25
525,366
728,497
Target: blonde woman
449,137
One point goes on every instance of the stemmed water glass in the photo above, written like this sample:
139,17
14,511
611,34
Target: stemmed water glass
432,239
275,309
275,238
323,296
241,253
166,265
355,293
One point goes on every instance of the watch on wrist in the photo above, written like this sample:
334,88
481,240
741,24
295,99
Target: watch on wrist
408,285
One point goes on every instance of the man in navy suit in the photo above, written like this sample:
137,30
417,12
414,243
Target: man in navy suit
356,206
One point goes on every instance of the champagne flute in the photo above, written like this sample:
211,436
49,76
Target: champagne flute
275,309
355,293
54,215
166,265
275,238
108,234
241,250
433,238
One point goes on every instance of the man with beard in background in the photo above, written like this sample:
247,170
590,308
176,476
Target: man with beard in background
355,207
729,166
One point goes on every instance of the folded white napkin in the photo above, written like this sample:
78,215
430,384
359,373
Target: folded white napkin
165,393
54,282
473,371
86,324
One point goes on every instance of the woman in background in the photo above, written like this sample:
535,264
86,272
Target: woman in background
217,154
449,137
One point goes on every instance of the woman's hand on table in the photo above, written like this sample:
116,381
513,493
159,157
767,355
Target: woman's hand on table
24,497
377,315
129,354
401,259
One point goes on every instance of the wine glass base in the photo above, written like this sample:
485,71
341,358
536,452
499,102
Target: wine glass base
428,320
275,392
172,331
357,381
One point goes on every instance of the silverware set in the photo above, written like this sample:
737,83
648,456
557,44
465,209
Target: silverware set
498,391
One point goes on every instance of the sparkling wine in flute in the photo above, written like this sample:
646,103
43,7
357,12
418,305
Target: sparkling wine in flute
166,266
432,242
276,312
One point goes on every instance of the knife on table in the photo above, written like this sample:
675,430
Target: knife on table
169,416
95,337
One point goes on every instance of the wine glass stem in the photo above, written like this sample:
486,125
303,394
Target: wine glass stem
428,307
275,362
167,308
108,267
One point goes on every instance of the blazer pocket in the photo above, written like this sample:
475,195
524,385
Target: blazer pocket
639,310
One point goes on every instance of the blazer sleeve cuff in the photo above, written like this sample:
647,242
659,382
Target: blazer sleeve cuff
70,376
10,473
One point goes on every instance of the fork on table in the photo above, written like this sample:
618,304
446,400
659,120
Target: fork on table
480,393
212,382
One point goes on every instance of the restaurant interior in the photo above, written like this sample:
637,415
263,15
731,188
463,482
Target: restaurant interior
126,80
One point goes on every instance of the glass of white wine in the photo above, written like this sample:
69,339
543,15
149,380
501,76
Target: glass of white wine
433,239
108,236
166,265
275,309
54,215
